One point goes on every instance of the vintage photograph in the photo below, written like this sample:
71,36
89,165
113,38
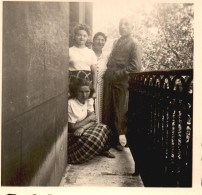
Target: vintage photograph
97,93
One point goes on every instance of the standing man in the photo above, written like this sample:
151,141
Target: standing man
125,58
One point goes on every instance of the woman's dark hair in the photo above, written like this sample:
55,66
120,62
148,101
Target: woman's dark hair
85,28
82,27
100,34
76,83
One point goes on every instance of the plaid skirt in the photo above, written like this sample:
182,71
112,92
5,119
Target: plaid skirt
93,141
83,74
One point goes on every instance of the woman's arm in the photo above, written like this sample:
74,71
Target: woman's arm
85,123
88,125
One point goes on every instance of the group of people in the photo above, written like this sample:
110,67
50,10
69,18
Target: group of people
98,88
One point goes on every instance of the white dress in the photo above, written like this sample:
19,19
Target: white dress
101,68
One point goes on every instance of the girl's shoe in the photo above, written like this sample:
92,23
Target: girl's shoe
119,147
108,154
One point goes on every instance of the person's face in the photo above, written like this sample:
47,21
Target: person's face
125,27
99,42
81,37
83,93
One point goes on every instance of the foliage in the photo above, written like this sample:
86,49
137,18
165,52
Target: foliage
165,32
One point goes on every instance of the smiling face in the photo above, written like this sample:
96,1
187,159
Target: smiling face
83,93
99,42
81,37
125,27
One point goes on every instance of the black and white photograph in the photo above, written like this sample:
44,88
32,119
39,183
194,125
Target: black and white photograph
100,94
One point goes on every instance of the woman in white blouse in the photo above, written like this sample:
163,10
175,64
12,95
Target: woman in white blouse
87,138
82,60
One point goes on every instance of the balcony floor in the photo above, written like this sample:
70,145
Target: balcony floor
103,172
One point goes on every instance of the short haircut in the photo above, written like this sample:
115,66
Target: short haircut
79,82
129,20
100,34
82,27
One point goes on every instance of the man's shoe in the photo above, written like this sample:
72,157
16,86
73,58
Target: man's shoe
122,140
119,147
108,154
137,171
136,174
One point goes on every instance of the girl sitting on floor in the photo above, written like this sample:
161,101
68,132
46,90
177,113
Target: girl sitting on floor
87,138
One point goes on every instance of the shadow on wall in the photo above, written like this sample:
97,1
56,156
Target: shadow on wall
34,91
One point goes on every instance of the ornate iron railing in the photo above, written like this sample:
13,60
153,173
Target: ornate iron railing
160,122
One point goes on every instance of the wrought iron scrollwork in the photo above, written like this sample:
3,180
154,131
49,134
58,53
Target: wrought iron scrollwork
165,100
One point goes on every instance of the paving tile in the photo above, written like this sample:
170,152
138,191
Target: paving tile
104,172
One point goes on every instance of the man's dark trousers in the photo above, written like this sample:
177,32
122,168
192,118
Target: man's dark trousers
115,106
